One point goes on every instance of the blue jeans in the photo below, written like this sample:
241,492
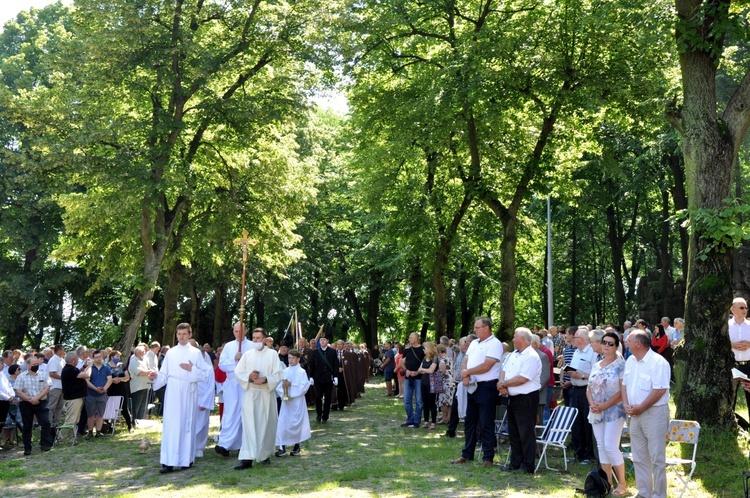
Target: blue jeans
413,388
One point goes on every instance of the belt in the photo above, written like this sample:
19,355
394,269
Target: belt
742,362
581,387
487,382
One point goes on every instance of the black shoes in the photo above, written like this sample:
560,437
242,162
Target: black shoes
319,418
450,434
166,469
296,451
221,450
26,452
244,464
266,461
281,452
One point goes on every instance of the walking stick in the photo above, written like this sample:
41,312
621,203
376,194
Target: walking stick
244,242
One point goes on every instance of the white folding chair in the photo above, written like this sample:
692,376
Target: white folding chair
112,412
501,432
555,434
682,432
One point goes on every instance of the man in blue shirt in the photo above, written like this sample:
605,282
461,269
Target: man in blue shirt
388,367
96,399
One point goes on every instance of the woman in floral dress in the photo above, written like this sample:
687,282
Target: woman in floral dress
445,399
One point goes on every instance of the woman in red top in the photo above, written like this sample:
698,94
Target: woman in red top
660,344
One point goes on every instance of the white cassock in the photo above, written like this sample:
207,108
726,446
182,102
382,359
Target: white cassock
206,398
259,416
180,404
230,435
294,423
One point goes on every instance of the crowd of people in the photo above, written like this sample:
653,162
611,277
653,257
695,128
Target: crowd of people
263,392
610,374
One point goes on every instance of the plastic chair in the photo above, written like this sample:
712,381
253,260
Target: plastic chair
112,412
683,432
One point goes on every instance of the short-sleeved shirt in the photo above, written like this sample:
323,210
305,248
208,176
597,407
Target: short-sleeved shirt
99,378
72,386
583,361
642,377
32,384
413,358
528,365
603,384
568,352
391,364
479,351
55,365
740,332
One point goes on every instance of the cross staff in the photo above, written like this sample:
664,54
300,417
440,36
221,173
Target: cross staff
244,242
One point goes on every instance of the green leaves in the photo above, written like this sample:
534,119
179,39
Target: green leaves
721,228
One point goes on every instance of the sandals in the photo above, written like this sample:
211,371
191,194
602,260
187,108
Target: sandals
623,492
425,425
431,427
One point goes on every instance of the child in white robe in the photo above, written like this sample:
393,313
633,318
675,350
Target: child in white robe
294,422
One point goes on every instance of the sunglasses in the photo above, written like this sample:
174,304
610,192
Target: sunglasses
742,307
608,343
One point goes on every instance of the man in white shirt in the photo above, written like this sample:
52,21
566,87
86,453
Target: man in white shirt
230,433
668,328
55,399
520,382
584,358
739,336
482,365
645,396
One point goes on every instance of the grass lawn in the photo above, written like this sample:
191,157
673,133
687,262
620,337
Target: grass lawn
361,452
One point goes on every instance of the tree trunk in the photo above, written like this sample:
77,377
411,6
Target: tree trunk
709,144
171,298
617,263
574,275
220,298
679,198
665,260
416,286
506,327
195,305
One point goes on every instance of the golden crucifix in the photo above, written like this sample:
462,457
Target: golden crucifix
244,242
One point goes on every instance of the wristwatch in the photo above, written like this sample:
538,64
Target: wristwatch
502,383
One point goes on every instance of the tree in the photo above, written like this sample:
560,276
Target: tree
180,100
712,132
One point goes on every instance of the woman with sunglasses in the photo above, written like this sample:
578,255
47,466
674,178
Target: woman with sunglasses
606,413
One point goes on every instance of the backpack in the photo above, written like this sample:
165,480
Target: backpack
596,484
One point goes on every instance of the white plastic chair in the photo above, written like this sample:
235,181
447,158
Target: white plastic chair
682,432
112,411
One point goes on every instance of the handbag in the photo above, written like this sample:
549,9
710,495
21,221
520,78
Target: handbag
436,382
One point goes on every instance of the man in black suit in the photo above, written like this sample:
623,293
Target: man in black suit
323,366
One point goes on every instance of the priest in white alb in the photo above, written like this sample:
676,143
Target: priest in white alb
294,423
181,371
230,433
206,399
258,372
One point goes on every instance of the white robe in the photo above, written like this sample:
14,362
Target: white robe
230,434
294,423
180,404
206,399
259,417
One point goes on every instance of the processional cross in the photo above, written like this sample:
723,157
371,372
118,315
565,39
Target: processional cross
244,242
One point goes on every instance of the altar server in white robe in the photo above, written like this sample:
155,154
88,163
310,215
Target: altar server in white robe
230,433
294,423
181,371
206,399
258,372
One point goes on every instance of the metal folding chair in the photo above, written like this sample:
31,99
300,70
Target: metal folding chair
112,412
683,432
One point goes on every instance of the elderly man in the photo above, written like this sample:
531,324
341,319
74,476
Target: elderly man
230,434
584,358
140,387
645,396
677,335
739,336
32,387
258,372
74,388
520,381
483,366
458,365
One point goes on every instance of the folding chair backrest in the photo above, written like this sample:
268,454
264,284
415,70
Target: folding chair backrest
114,405
559,425
683,431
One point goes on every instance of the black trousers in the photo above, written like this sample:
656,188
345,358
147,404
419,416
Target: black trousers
40,411
522,410
453,423
480,419
4,407
323,408
582,437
